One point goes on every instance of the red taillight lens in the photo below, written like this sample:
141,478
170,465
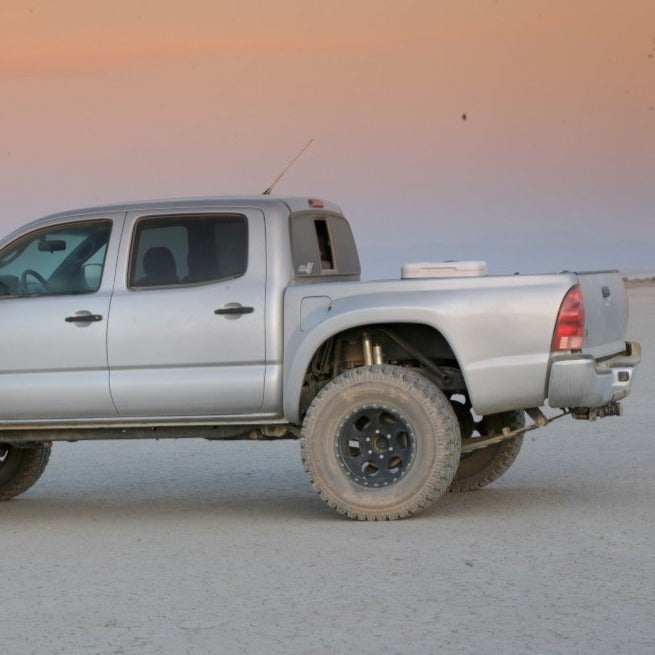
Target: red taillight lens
569,329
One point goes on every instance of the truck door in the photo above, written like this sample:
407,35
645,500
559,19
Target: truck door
186,331
55,290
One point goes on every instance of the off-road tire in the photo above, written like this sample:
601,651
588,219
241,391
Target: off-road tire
406,399
20,468
481,467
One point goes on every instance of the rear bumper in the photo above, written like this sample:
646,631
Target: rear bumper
581,381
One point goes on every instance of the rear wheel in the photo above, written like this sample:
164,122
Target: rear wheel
20,468
481,467
380,442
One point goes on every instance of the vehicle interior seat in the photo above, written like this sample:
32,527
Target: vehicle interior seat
159,268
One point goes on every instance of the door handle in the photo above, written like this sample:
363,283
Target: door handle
234,310
83,318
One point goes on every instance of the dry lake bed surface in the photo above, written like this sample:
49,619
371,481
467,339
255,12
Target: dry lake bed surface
195,547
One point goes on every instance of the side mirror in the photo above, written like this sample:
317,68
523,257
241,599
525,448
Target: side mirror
92,276
56,245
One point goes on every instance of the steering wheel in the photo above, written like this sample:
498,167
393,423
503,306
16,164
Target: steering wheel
36,275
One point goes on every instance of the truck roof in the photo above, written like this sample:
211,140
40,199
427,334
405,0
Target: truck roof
294,203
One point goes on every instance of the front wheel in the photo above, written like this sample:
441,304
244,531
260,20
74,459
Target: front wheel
20,468
380,442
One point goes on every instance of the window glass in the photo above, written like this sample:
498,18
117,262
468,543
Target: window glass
59,260
322,244
190,249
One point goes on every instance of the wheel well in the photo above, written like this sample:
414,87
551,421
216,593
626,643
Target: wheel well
411,345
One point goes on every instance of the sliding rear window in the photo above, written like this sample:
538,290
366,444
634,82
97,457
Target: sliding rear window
322,244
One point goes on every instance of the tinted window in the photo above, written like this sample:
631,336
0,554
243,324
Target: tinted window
59,260
322,244
190,249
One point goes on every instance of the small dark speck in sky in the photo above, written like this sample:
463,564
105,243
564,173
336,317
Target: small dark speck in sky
464,117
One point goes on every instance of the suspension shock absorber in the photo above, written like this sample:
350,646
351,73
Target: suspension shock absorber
367,349
372,353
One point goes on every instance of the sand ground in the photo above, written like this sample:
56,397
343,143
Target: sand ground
195,547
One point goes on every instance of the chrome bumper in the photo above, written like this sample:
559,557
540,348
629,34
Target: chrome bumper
581,381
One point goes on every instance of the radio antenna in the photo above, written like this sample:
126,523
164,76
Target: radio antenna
291,163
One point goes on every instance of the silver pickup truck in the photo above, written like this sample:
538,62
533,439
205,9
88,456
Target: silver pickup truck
227,318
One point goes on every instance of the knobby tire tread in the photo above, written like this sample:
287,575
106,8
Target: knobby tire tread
33,463
433,401
506,454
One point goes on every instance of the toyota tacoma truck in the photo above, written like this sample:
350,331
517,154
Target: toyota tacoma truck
245,318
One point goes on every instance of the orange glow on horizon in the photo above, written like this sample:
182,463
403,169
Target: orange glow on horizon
136,99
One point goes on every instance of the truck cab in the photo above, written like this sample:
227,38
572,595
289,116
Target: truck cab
163,309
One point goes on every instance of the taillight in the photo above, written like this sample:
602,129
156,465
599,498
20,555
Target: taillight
569,329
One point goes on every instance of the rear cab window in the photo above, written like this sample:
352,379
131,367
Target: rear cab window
323,246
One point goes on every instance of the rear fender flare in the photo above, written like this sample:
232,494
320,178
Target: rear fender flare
302,345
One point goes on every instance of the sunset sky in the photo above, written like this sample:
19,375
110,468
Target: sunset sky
517,131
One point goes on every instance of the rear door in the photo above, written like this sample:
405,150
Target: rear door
186,331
